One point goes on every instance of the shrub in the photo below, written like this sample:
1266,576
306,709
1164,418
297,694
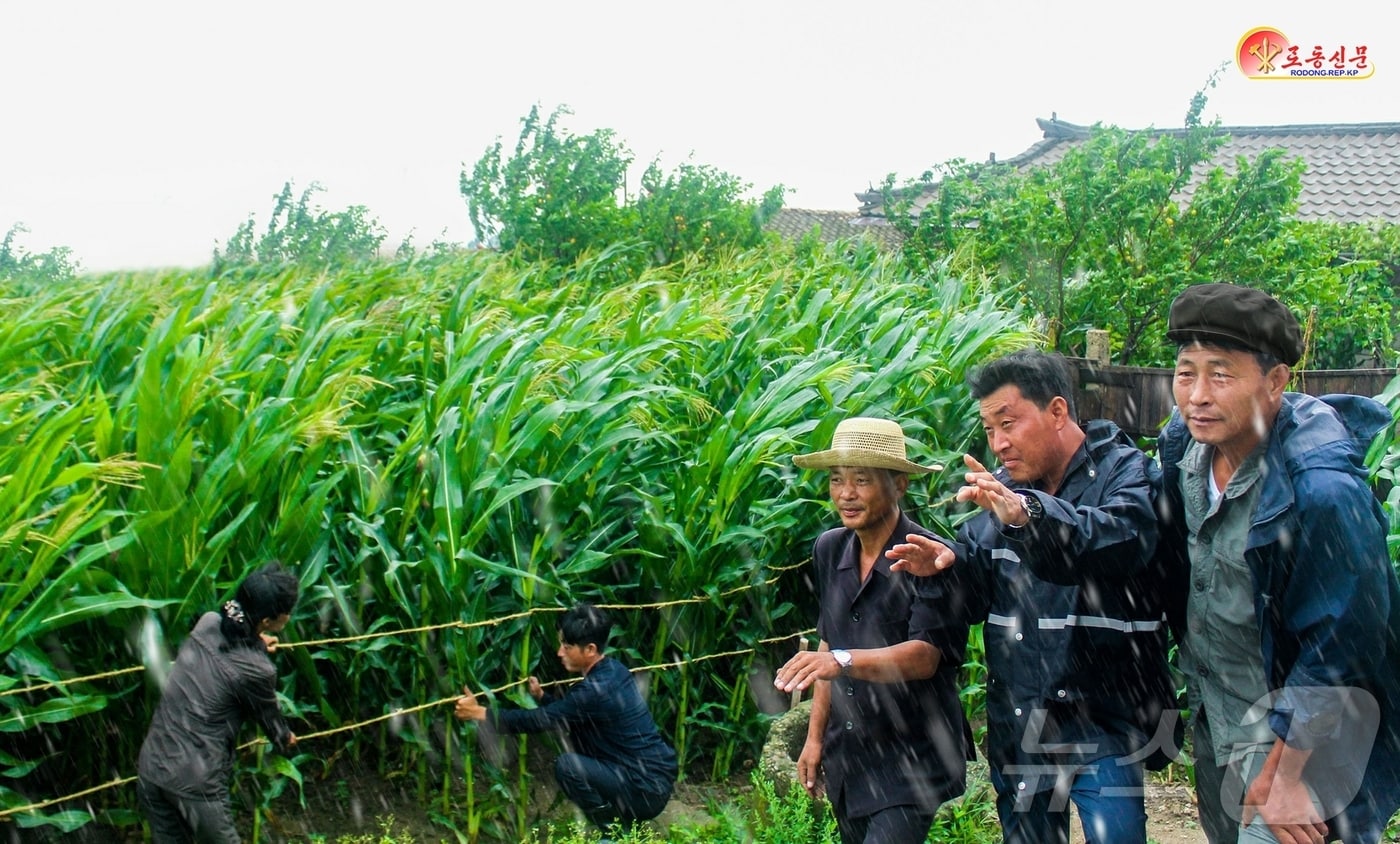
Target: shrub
303,234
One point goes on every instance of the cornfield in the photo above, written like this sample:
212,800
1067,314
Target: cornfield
458,438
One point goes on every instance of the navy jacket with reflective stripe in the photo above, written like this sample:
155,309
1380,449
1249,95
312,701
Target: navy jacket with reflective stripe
1075,633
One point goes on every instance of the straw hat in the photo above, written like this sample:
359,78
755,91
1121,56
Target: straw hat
866,443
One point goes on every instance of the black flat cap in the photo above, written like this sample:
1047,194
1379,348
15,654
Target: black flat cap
1241,315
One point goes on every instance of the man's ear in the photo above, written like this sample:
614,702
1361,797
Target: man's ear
1277,379
1059,409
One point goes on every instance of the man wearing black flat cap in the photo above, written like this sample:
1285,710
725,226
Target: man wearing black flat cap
1282,596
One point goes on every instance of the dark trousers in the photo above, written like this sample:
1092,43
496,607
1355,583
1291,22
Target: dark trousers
181,820
895,825
603,793
1108,794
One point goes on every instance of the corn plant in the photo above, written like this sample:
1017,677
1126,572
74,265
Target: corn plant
469,439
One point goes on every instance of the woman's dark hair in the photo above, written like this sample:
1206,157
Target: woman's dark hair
585,624
269,592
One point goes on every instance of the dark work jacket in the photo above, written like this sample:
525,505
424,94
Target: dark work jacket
1075,636
891,744
1326,596
212,688
607,720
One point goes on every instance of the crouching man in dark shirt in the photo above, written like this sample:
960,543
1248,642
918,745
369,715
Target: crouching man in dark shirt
621,770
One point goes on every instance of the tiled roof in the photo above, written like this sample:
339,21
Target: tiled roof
1352,175
796,223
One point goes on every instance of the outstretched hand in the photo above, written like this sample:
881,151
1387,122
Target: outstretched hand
984,490
806,668
467,709
919,555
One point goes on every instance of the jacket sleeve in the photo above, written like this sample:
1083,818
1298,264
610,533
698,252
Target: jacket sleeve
1110,540
970,578
1171,563
560,711
258,695
1330,610
948,603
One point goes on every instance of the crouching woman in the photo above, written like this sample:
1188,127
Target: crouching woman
221,676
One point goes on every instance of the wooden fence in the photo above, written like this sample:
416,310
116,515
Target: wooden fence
1140,399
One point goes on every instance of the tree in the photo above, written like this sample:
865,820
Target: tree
1101,238
559,195
1343,277
27,269
300,233
556,196
698,209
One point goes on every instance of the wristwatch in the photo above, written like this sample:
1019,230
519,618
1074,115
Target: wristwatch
1034,509
843,659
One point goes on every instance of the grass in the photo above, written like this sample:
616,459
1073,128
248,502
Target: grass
756,816
386,835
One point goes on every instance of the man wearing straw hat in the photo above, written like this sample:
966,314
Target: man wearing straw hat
1060,562
886,728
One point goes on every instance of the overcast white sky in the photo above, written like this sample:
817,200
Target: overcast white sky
141,134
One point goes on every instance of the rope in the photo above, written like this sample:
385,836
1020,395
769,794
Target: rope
409,631
464,625
46,803
39,687
397,713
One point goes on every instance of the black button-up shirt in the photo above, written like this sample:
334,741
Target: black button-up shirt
891,744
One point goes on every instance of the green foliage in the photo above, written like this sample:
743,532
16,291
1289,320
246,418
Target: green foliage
1100,239
301,233
22,271
386,835
464,437
1341,281
971,819
759,815
556,196
560,196
792,818
580,833
699,209
1383,461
